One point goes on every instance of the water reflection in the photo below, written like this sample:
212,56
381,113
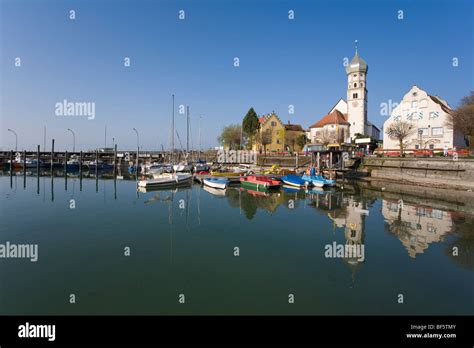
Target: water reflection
417,225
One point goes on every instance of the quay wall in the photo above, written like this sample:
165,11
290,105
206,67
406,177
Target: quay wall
435,172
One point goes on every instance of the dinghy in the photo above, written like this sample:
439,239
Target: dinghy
259,182
294,180
314,180
220,183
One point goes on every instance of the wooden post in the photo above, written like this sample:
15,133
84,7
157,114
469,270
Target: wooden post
330,160
136,169
96,163
11,161
52,155
38,159
80,164
317,161
24,162
24,169
115,160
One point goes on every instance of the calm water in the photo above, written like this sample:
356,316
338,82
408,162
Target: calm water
182,242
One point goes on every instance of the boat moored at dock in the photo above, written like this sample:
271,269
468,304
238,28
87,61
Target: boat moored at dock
219,183
259,182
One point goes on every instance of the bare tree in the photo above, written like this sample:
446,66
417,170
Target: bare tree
264,138
462,119
400,130
326,136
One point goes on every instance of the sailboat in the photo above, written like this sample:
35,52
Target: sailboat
161,179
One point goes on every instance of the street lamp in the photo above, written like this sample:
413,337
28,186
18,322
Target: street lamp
16,138
73,140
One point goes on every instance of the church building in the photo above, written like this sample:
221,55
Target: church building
349,115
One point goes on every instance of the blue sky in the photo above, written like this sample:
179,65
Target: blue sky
282,62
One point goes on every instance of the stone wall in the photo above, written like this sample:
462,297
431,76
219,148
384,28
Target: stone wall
436,172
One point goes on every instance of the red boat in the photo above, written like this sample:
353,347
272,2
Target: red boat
259,182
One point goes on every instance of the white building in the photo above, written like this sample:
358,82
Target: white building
428,114
354,110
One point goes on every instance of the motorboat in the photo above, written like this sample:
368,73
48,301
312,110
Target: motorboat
259,182
166,179
219,183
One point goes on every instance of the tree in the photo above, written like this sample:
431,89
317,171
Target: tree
462,119
400,130
266,139
230,136
250,126
302,140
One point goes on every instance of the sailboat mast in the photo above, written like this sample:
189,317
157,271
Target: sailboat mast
172,132
187,129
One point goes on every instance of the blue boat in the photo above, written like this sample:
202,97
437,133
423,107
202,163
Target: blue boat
290,189
294,180
314,180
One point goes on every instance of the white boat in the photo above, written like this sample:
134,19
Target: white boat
183,167
219,183
166,179
215,192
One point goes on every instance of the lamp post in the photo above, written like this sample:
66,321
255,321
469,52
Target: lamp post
16,138
73,139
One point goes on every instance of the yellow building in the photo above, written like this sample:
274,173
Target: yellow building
274,136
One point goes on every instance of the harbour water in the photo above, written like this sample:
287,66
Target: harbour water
120,251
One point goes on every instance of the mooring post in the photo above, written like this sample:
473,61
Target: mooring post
65,161
115,160
80,164
24,162
96,163
138,154
38,155
11,161
52,155
24,169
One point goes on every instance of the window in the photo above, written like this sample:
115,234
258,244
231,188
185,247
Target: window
417,146
414,104
355,75
414,94
354,95
437,131
431,146
278,141
273,123
355,85
397,117
353,233
423,131
434,114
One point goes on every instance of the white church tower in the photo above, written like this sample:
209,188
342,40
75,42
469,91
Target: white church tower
357,94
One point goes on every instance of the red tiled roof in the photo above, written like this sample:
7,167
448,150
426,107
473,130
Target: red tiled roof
335,117
261,119
293,127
